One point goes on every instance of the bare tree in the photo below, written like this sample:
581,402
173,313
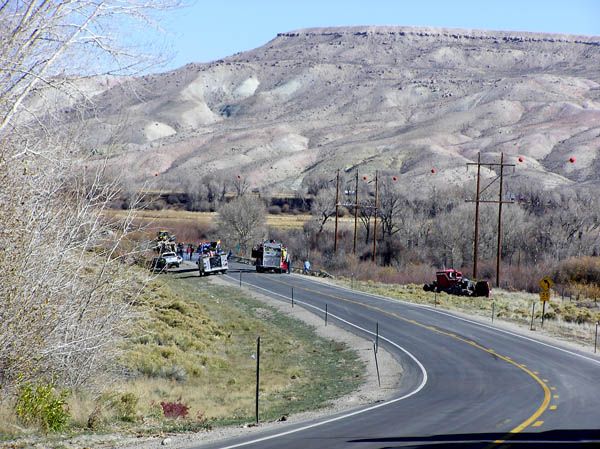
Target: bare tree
315,183
323,207
242,222
390,207
241,185
64,289
206,192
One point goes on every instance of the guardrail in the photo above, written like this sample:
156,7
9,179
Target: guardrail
318,273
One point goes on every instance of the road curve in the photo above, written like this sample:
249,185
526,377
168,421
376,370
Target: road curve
465,384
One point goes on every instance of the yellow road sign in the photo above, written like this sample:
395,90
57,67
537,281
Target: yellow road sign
546,283
545,295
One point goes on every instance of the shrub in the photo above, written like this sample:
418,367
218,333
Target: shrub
174,409
126,407
95,418
583,270
173,372
42,405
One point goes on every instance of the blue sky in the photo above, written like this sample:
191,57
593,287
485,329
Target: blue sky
212,29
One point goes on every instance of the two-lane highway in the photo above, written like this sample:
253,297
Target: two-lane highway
465,384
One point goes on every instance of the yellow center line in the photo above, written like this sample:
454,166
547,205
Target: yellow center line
531,421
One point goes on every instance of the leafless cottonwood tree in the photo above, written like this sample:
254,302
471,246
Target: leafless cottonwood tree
64,293
206,193
242,222
323,208
240,185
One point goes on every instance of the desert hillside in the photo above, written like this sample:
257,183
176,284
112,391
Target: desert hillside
400,99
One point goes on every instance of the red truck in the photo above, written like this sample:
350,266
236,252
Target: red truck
454,283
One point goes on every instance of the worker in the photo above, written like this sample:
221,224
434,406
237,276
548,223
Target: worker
306,268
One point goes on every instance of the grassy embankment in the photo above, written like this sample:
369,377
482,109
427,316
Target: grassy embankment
194,346
564,318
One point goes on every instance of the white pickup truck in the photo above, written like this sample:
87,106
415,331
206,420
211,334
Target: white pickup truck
171,259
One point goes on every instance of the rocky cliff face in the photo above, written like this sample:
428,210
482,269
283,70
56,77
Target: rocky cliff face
399,99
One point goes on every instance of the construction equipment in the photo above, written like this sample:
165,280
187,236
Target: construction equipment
165,242
212,259
454,283
271,256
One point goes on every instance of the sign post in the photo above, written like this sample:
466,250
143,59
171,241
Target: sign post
545,286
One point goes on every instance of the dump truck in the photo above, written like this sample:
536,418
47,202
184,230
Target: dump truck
211,258
454,283
271,256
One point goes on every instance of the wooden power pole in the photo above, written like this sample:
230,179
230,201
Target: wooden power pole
375,222
355,213
337,205
499,201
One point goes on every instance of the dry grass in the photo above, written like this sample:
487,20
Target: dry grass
287,221
201,350
175,218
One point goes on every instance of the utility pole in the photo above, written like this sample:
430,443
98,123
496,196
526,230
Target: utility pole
476,237
375,223
499,244
355,213
500,201
337,205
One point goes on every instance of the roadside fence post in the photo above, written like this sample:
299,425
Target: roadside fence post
292,297
325,314
532,316
377,365
376,336
240,277
493,306
596,338
257,375
543,312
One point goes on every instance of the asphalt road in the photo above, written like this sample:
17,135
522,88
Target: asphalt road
465,384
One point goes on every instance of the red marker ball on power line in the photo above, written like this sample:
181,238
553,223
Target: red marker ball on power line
239,177
364,178
394,178
433,170
521,159
572,159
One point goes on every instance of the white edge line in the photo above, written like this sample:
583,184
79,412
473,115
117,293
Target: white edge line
348,415
487,326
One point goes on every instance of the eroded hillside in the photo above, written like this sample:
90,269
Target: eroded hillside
400,99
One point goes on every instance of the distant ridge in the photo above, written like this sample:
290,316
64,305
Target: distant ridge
398,99
455,33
